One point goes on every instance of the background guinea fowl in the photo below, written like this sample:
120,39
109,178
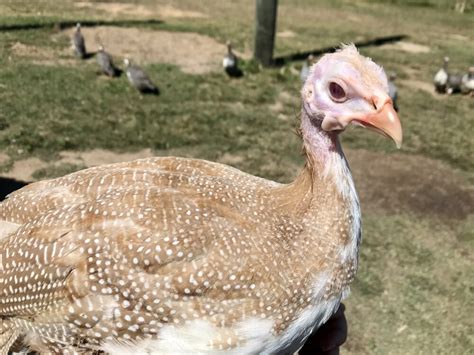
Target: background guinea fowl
139,79
467,82
393,90
172,255
78,42
231,62
441,77
106,64
454,83
306,67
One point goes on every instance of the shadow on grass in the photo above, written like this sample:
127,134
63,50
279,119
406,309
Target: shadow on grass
280,61
60,25
8,185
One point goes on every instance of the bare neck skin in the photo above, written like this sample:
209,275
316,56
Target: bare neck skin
324,191
326,167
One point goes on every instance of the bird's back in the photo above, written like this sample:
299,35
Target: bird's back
140,79
79,44
129,251
454,83
106,64
467,84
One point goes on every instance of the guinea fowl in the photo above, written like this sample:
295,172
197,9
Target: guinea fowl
106,64
441,78
454,83
180,256
139,79
393,90
467,83
305,68
78,42
231,62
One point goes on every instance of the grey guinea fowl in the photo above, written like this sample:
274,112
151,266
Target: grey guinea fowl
79,43
393,90
467,82
182,256
231,62
306,67
454,83
441,77
106,63
139,79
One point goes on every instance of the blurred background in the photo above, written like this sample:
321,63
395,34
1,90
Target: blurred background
414,290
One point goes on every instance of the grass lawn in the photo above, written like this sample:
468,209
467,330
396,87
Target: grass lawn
414,291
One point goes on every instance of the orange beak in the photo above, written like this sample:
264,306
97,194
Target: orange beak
384,121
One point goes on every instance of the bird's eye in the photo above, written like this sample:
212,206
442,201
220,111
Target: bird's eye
337,92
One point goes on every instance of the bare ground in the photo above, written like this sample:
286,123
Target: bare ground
42,55
192,52
408,47
407,183
115,9
422,85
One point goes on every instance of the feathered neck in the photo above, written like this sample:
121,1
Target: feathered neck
324,190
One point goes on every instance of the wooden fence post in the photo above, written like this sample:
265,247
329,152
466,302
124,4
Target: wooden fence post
265,20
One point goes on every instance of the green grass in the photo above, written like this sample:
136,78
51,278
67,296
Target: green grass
413,293
415,290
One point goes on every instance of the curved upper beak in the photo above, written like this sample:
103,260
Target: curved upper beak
384,120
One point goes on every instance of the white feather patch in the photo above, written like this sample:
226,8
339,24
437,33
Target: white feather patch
7,228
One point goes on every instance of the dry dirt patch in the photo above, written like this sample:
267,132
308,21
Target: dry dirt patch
41,55
409,47
4,158
286,34
458,37
422,85
115,9
23,169
100,156
192,52
402,183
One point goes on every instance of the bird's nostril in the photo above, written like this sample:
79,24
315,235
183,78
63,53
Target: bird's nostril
374,104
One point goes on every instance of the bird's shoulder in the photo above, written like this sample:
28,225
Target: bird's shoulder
136,181
103,56
137,73
153,214
78,37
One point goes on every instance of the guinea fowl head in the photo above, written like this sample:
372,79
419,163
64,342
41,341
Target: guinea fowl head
345,87
126,62
78,26
229,46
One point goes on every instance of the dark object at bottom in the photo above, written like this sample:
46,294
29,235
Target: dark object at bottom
150,91
8,185
329,337
234,72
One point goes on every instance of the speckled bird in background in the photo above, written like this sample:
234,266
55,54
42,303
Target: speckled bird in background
139,79
181,256
106,64
79,43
